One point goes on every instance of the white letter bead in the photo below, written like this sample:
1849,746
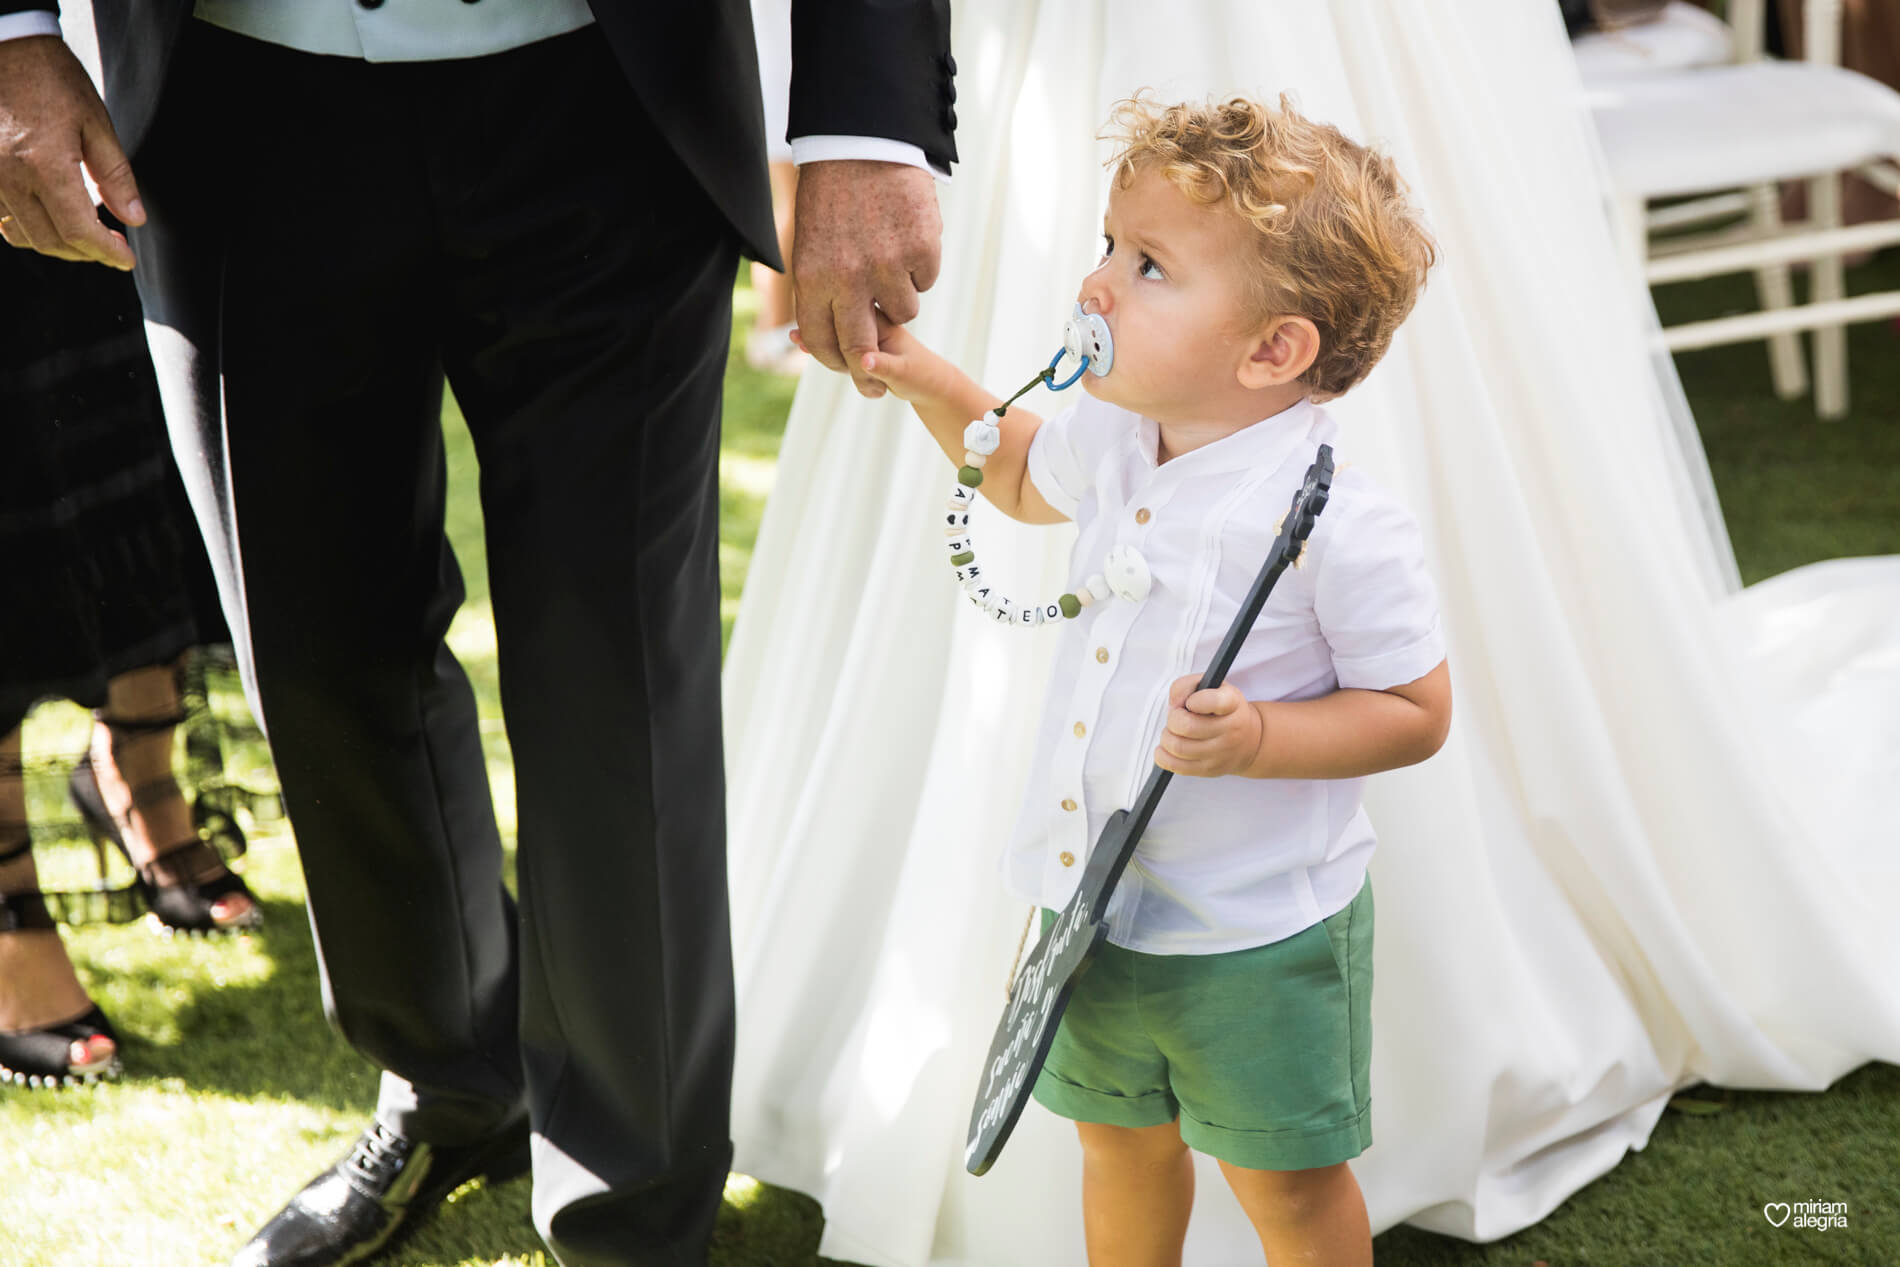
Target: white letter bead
1004,611
957,545
962,496
1051,613
1098,586
968,572
972,458
1029,617
979,594
956,522
983,436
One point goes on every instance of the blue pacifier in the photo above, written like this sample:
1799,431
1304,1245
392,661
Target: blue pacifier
1085,337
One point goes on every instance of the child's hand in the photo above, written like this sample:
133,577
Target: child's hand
904,365
1209,733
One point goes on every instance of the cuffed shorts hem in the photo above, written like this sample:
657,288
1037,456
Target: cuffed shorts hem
1082,1104
1280,1150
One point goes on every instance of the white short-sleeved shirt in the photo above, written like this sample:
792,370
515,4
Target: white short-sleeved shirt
1228,863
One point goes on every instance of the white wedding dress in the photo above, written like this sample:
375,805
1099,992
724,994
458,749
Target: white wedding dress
1650,853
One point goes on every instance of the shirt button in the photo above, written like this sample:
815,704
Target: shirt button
1142,516
1068,859
1068,804
1080,730
1101,655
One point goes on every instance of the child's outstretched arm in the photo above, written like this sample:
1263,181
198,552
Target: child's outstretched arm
948,400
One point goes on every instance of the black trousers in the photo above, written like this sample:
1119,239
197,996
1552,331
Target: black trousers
327,239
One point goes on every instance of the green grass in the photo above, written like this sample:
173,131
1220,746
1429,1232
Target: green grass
237,1090
1795,489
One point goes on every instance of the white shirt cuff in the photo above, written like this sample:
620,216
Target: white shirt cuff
17,26
882,149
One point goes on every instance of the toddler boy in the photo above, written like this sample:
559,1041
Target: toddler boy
1256,263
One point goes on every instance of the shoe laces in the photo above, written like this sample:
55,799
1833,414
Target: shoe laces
378,1156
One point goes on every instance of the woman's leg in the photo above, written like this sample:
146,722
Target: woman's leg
1306,1218
126,759
1137,1190
774,287
38,987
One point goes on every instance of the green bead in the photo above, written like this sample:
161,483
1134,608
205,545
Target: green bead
969,476
1071,606
968,556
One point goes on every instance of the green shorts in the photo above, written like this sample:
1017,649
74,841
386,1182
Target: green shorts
1264,1055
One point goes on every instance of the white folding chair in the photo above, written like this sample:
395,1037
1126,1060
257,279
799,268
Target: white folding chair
1682,37
1734,132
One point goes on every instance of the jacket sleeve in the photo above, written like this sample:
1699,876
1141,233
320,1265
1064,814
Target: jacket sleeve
874,68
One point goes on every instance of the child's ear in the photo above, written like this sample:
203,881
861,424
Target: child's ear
1283,352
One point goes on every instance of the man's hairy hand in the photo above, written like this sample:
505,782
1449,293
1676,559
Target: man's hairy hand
866,233
51,120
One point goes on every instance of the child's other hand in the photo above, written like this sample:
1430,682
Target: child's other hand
1209,733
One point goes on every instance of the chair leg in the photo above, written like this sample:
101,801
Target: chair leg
1828,282
1775,287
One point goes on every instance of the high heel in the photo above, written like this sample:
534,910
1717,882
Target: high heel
172,883
43,1057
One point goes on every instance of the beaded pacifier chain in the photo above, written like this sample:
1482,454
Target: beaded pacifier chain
1124,572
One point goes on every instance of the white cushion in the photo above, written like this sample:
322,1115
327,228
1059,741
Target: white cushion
1692,131
1683,37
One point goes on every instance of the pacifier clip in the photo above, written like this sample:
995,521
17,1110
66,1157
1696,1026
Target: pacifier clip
1124,572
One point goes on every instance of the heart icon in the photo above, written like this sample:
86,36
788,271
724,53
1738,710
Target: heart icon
1772,1206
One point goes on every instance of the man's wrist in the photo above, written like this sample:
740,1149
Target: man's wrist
18,26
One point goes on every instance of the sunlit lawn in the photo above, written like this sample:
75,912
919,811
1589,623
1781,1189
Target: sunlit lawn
236,1090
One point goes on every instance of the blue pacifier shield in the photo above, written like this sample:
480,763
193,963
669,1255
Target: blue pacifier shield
1086,334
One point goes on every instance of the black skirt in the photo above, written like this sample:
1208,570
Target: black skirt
101,566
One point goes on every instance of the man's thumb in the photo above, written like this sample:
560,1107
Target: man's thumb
111,171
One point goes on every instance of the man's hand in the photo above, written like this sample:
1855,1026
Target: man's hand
51,120
866,233
1209,733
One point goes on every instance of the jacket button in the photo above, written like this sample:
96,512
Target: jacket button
950,118
1068,859
950,63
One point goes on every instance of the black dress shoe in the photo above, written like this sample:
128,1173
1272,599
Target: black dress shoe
377,1195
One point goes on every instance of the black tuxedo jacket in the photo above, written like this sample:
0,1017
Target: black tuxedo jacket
861,68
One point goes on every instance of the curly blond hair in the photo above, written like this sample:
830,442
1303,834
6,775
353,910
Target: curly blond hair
1338,242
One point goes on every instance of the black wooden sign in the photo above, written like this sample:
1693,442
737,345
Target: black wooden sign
1043,985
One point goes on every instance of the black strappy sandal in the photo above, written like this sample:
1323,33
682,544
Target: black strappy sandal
43,1057
175,885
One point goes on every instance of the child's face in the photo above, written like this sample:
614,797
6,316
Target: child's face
1172,287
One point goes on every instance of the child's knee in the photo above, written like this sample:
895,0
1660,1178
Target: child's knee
1130,1145
1293,1191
